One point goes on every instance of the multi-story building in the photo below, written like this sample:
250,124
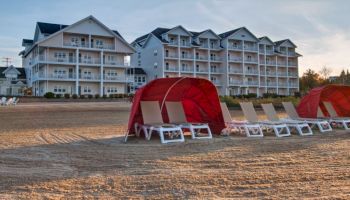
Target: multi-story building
83,58
12,81
140,78
237,62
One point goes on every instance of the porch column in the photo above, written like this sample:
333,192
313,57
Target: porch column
77,72
101,74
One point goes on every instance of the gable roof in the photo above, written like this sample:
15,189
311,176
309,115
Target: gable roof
280,42
27,41
266,38
197,34
20,70
156,32
229,33
54,29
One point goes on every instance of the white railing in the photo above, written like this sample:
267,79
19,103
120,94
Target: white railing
173,69
41,75
215,59
269,52
292,64
201,70
282,73
174,42
118,78
186,70
235,59
271,73
201,58
235,71
251,72
186,56
252,83
232,82
251,60
235,47
186,44
90,77
75,44
271,84
250,48
215,71
116,63
90,61
270,63
171,56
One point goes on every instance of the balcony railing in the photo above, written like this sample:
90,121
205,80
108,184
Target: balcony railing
91,61
171,56
41,75
236,71
269,52
251,60
250,48
251,83
202,70
204,58
186,56
215,71
282,73
271,73
235,59
215,59
186,44
292,64
271,84
171,69
90,77
116,63
233,82
84,77
271,63
238,47
186,69
174,42
87,45
251,72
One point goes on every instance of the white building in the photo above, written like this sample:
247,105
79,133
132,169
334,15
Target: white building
83,58
237,62
12,81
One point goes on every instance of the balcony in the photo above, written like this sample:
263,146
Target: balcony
187,70
215,47
235,82
272,63
185,44
121,78
268,73
89,77
53,76
293,85
235,71
173,43
238,60
271,84
291,74
202,58
90,61
282,74
116,63
202,70
216,82
187,57
235,48
87,45
292,64
215,71
251,48
269,52
252,61
215,59
171,56
282,64
251,83
171,69
285,85
53,60
251,72
292,54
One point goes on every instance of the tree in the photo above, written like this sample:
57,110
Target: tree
310,80
325,72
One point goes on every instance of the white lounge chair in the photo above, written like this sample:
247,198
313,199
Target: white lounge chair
3,101
250,129
301,127
334,118
15,101
153,121
280,129
321,124
177,116
9,101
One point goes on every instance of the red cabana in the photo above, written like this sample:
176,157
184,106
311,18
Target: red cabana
338,95
198,96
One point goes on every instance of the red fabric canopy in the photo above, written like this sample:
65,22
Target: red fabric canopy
198,96
338,95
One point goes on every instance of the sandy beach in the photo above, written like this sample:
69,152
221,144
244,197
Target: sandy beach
76,150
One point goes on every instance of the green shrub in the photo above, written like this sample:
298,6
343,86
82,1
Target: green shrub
104,96
90,96
49,95
58,96
82,96
67,96
111,96
97,96
74,96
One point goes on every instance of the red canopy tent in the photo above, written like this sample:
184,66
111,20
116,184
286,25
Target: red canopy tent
198,96
338,95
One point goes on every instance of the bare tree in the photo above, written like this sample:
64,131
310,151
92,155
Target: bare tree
325,72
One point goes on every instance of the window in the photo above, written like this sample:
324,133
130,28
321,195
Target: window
144,79
87,89
99,43
74,41
60,56
139,55
155,65
59,89
249,58
155,53
112,90
166,53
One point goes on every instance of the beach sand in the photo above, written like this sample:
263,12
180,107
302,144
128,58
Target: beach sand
76,150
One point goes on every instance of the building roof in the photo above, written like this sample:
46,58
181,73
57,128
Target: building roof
20,69
50,28
156,32
228,33
138,71
278,43
27,41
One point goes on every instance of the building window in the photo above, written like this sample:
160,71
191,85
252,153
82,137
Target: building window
144,79
59,89
139,55
87,89
99,44
155,65
155,53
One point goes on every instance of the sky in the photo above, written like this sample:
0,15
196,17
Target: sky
320,28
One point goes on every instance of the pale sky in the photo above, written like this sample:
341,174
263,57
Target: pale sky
320,28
